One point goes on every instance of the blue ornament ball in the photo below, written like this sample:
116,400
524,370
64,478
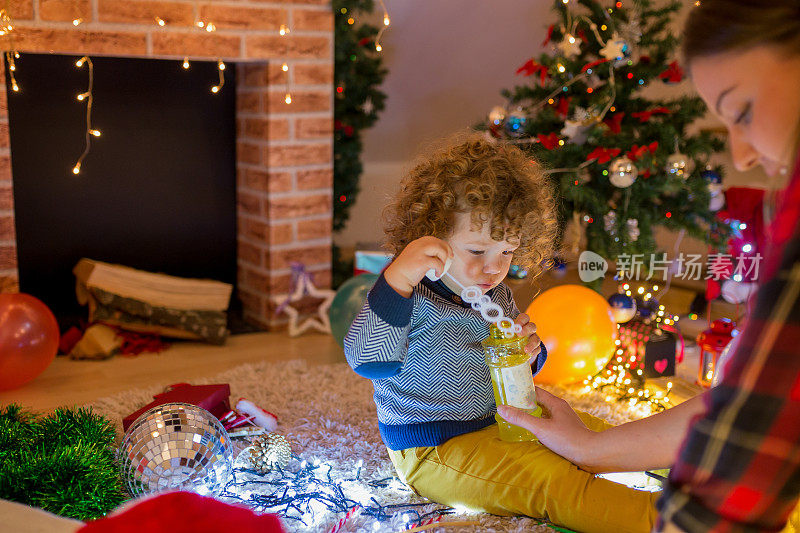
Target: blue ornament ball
623,307
646,309
515,123
711,176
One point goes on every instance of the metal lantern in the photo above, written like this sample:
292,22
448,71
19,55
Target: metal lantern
712,343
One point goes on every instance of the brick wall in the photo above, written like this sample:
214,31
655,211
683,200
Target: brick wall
284,152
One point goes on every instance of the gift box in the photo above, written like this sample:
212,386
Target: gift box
655,347
370,258
213,398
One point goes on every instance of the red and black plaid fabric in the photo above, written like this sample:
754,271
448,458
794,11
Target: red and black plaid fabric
739,465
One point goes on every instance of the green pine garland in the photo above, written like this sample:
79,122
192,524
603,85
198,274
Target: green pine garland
358,71
63,462
659,199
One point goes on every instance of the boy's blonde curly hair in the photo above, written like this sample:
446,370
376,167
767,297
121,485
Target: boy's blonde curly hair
493,180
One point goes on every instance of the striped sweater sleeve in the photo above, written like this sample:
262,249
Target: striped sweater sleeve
377,342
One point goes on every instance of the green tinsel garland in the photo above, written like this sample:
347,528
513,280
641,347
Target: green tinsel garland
63,462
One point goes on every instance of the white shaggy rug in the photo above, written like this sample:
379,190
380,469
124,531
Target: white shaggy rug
327,414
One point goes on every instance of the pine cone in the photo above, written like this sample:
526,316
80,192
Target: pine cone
268,451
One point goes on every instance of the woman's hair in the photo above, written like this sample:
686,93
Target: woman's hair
717,26
494,181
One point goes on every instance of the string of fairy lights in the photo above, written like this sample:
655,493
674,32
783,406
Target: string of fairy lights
7,27
622,379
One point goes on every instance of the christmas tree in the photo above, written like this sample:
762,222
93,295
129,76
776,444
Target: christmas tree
622,163
358,71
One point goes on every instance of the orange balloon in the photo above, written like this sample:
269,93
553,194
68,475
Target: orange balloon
28,339
578,329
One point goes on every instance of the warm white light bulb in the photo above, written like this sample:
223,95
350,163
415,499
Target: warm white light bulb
284,29
12,68
186,62
76,22
386,20
378,47
215,89
81,97
285,67
96,133
200,23
288,98
76,169
160,21
79,63
15,87
221,65
210,27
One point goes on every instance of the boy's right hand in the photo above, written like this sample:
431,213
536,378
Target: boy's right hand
419,256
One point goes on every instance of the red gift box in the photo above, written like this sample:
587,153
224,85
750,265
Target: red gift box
213,398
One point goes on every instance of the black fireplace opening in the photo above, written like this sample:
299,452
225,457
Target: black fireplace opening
157,190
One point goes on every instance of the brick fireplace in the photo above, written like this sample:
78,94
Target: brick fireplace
284,152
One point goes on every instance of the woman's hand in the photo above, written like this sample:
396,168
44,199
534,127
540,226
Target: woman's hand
534,345
419,256
562,431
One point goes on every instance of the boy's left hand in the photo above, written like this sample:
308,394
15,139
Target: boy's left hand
534,344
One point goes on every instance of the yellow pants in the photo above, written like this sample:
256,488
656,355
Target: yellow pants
793,525
480,472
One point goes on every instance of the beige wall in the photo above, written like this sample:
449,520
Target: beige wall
447,62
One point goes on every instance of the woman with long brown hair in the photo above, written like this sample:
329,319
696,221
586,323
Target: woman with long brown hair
734,451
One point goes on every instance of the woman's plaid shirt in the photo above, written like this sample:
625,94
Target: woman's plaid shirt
739,466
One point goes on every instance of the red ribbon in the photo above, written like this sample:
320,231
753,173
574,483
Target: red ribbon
644,116
593,64
531,67
637,151
673,74
563,106
548,141
549,35
615,122
603,155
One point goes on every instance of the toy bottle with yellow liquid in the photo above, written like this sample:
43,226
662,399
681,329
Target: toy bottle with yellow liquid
512,380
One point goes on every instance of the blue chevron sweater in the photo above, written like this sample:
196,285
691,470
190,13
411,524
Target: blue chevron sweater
425,359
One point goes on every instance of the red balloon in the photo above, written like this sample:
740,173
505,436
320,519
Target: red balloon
28,339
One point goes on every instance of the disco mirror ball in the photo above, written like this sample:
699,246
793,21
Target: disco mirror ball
175,446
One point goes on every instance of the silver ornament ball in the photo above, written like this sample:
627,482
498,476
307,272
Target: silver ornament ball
622,172
175,446
678,165
497,115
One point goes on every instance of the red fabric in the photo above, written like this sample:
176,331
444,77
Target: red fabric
644,116
548,141
738,467
69,339
549,34
673,74
603,155
184,512
134,343
637,151
614,122
593,64
746,205
213,398
562,108
531,67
